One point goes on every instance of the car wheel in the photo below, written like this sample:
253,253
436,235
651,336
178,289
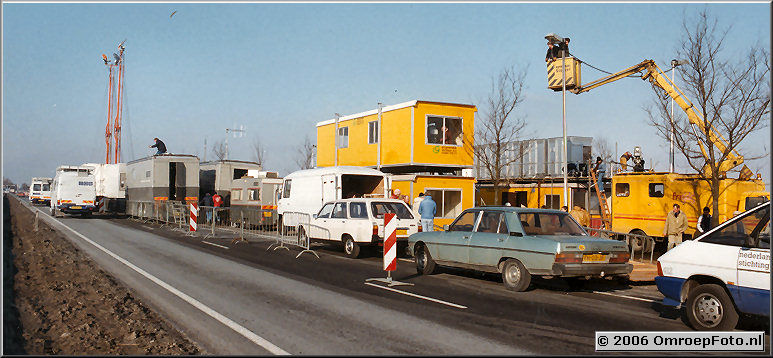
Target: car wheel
638,243
425,265
709,308
351,248
515,276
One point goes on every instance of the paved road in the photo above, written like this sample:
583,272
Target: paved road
242,299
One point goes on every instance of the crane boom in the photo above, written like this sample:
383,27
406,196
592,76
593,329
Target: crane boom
655,75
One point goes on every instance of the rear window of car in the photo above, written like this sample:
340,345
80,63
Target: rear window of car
381,207
549,224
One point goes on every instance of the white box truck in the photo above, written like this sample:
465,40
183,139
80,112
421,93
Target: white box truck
40,191
305,191
110,186
73,191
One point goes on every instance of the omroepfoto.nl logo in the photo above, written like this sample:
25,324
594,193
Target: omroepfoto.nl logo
681,341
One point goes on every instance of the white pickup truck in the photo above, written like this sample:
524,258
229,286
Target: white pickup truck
721,273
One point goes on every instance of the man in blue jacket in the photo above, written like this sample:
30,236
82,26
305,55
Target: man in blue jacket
427,210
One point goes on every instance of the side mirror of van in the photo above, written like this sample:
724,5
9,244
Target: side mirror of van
314,216
445,227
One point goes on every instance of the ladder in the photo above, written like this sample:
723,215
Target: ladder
605,215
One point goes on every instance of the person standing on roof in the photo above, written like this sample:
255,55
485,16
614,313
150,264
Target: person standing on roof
427,210
159,145
624,161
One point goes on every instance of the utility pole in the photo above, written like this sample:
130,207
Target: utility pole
336,140
378,140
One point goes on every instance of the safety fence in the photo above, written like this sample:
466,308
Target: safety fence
237,222
637,243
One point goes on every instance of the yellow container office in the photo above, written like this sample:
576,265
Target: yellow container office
415,133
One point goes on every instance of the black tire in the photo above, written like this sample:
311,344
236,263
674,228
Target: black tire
351,247
515,276
709,308
425,265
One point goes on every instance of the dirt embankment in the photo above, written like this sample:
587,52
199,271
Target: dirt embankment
68,305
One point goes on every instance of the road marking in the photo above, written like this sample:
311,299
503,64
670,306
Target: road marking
220,246
625,296
418,296
195,303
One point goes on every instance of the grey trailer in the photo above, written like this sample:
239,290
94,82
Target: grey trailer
173,177
216,176
255,200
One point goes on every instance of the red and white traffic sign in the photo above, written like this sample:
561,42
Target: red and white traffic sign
194,216
390,242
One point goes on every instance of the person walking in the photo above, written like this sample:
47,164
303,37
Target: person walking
676,224
207,203
427,210
416,203
217,201
159,145
704,221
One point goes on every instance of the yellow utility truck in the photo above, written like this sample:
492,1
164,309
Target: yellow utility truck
640,199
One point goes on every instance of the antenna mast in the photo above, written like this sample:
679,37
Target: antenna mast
114,105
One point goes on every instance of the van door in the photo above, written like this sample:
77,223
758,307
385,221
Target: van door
754,265
329,188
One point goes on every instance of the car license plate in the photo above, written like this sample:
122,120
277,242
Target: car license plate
402,232
75,207
595,258
267,214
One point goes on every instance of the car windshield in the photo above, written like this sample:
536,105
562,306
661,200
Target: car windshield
381,207
535,223
751,229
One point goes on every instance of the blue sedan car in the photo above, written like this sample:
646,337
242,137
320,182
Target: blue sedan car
519,243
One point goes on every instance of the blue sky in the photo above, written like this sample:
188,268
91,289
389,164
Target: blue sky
278,69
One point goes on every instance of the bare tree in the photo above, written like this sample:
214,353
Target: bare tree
602,148
499,128
258,151
305,154
7,181
219,149
732,97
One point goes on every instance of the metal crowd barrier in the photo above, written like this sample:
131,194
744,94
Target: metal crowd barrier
612,235
239,221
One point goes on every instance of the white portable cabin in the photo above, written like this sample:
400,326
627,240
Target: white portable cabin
40,190
305,191
110,180
255,198
72,190
217,176
162,177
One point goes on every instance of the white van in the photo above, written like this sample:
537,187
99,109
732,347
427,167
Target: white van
40,190
73,191
305,191
360,222
721,273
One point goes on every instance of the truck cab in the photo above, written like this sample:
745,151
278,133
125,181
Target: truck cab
40,191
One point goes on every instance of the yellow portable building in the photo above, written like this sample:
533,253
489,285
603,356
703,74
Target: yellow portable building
452,194
415,134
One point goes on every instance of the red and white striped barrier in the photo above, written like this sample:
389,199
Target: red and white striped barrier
390,242
194,216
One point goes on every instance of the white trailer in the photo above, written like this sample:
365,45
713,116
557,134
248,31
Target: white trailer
216,176
73,191
255,199
305,191
40,191
110,186
158,178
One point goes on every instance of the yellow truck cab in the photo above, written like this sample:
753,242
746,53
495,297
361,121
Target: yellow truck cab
641,201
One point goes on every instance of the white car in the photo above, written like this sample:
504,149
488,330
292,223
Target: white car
360,222
721,273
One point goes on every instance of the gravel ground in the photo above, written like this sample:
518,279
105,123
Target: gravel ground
65,304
